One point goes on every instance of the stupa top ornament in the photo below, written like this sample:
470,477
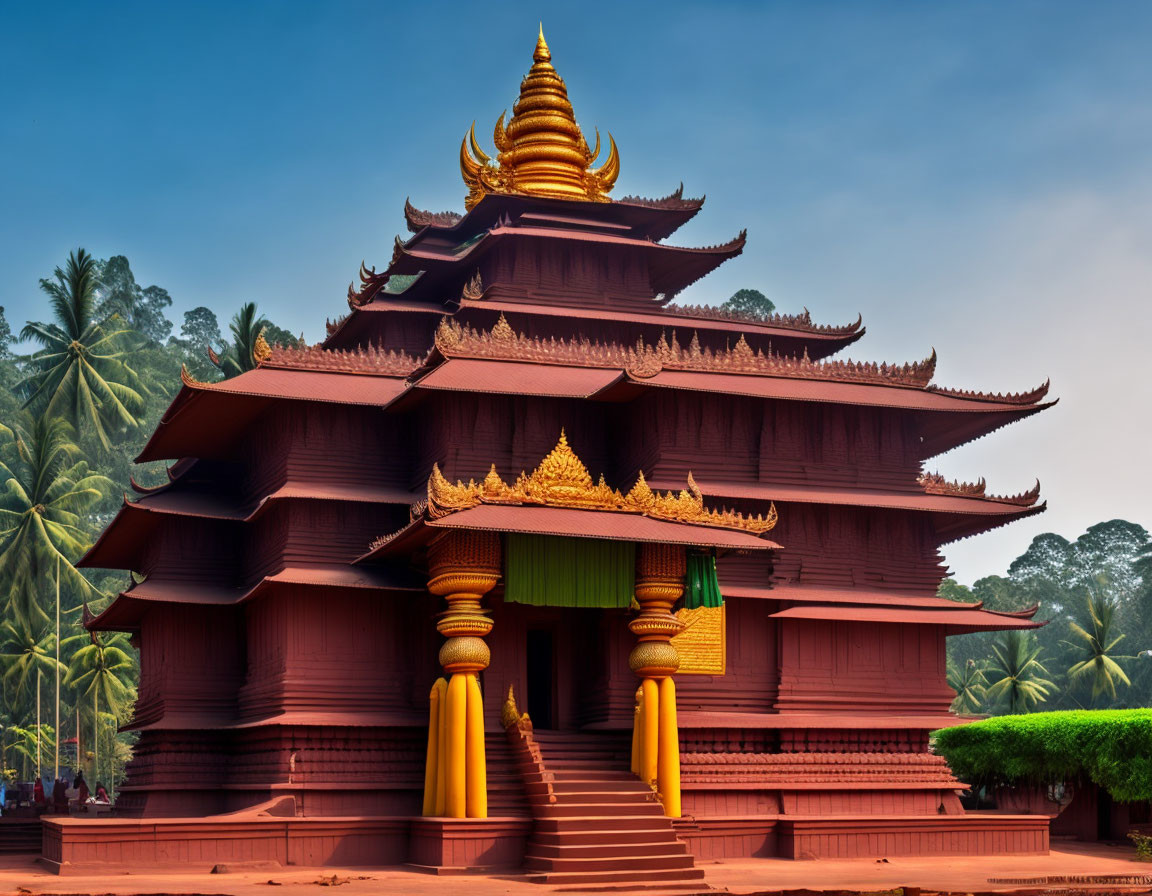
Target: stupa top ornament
541,151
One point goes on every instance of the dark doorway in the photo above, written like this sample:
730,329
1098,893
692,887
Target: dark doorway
541,674
1103,814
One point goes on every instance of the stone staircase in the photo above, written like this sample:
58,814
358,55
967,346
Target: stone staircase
20,835
506,797
596,825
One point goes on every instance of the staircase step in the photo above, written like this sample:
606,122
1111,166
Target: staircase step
599,809
604,823
614,877
608,862
574,786
606,797
598,765
565,850
579,774
575,837
598,828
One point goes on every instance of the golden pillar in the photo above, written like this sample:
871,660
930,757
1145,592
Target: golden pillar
463,567
660,571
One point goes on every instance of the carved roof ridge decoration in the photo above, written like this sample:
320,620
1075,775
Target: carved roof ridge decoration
453,339
936,484
474,289
674,200
801,322
331,326
188,380
562,480
417,219
1030,397
370,360
370,284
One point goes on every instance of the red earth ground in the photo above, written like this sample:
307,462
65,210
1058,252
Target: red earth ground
1091,867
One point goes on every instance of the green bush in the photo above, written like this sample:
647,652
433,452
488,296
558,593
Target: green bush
1112,748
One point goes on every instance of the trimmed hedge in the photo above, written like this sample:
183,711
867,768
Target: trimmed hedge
1112,748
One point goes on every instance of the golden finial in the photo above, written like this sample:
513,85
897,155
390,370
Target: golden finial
541,151
542,53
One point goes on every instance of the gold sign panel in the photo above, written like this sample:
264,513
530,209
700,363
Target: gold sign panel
701,644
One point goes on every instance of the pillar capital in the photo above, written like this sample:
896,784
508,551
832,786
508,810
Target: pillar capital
660,572
463,567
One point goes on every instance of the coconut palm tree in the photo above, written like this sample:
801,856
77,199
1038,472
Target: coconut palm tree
247,330
1016,674
44,490
970,685
103,670
80,373
25,659
1095,644
20,741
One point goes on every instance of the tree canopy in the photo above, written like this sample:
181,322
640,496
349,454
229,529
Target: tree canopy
1095,595
750,302
81,373
105,368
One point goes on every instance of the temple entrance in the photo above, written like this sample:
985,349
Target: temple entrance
541,669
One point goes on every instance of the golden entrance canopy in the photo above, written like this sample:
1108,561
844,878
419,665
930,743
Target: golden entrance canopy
561,498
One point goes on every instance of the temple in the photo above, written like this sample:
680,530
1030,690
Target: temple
527,566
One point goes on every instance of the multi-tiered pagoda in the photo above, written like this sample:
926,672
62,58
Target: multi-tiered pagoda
527,566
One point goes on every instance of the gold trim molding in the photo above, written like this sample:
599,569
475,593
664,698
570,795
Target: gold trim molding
562,480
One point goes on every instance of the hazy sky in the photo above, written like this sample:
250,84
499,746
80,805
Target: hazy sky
971,176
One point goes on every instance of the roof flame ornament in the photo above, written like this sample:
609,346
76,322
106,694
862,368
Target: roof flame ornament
541,151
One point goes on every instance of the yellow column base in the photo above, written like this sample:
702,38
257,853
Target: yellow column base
433,785
455,771
649,731
668,762
476,799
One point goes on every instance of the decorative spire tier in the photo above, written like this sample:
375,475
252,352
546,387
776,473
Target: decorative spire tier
541,151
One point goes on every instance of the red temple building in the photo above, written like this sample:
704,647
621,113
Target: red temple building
526,566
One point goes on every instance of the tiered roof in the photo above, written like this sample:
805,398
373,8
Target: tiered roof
480,339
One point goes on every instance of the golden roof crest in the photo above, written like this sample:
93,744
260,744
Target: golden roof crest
562,480
541,151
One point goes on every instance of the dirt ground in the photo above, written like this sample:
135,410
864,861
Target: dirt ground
1093,867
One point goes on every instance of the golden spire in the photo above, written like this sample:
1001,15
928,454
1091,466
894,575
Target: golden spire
541,151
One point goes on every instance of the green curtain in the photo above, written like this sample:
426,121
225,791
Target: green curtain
551,571
701,588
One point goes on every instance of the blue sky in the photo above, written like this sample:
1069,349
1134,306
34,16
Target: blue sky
972,176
